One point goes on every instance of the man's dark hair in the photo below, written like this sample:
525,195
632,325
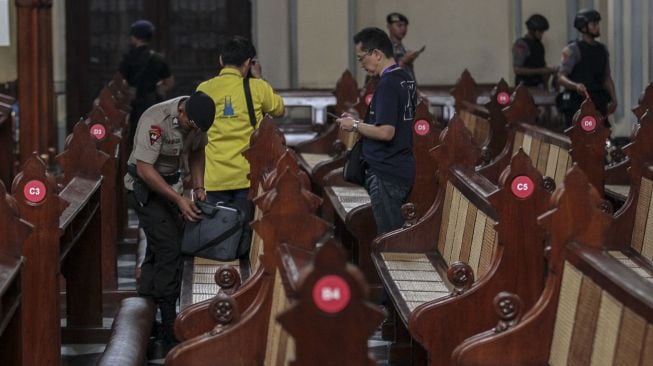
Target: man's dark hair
237,50
374,38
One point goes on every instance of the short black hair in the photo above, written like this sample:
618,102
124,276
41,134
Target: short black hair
237,50
374,38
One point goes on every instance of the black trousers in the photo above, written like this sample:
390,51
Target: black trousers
162,268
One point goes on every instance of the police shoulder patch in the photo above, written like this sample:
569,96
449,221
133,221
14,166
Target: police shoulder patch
155,134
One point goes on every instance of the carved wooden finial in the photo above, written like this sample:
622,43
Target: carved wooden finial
11,223
82,157
224,311
346,92
522,108
465,90
499,96
456,145
576,216
461,276
645,102
332,302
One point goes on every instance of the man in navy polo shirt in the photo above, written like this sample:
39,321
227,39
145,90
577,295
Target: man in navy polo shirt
386,133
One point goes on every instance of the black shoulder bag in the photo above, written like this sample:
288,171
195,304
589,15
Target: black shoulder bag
217,235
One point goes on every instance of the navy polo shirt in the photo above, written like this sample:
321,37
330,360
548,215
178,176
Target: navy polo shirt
393,104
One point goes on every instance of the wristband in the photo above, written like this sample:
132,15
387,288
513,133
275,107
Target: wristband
354,127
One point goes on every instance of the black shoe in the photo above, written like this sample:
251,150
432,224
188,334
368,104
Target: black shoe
159,348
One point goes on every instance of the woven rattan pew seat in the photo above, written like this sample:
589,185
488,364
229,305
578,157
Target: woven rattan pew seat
438,271
593,310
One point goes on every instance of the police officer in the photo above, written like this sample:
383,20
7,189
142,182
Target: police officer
397,28
529,63
145,70
166,133
585,69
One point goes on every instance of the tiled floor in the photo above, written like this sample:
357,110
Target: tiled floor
88,354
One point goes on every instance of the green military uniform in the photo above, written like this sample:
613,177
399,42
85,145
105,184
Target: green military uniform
162,142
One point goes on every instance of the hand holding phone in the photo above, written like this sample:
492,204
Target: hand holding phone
421,50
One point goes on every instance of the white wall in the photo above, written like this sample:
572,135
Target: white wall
271,38
8,54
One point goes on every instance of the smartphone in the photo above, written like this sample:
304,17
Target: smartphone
334,116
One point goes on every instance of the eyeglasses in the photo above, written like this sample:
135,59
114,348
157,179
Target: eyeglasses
360,58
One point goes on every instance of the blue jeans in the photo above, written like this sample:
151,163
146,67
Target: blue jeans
386,198
238,198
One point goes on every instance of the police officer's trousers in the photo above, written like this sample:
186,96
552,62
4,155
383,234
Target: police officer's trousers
162,268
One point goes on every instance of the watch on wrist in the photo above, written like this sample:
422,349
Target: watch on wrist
354,127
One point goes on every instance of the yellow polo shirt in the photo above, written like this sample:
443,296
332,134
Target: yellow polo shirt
226,168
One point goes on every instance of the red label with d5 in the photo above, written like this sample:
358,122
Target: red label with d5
331,294
503,98
522,186
588,123
422,127
34,191
98,131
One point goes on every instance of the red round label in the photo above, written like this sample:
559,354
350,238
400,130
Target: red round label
588,123
503,98
522,186
98,131
368,99
331,294
422,127
34,191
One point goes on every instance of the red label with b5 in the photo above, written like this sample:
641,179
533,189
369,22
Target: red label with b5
522,187
331,294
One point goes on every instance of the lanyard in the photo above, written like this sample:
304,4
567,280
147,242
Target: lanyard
389,69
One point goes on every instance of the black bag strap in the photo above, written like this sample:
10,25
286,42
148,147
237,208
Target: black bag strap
250,104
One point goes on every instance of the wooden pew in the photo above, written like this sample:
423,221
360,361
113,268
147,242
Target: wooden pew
289,201
593,308
14,231
7,143
322,147
332,296
629,239
429,268
66,239
353,217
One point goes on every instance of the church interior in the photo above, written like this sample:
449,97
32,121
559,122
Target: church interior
524,237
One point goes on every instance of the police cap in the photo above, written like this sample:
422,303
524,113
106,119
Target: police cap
396,17
201,110
142,29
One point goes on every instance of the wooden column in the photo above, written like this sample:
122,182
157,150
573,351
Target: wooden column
35,83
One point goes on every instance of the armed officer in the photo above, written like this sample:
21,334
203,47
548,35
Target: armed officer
528,55
166,133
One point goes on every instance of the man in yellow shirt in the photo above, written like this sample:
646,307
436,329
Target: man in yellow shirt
226,170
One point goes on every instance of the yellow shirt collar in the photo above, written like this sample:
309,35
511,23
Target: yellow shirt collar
230,71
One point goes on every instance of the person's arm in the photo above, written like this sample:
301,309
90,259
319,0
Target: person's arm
520,53
164,85
527,71
569,60
382,132
196,162
155,182
609,86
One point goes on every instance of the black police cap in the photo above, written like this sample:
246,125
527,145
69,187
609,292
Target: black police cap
201,110
141,29
396,17
584,17
537,22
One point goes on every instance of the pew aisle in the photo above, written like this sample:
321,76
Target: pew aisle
88,354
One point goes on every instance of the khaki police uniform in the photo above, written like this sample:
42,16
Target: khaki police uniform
162,142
